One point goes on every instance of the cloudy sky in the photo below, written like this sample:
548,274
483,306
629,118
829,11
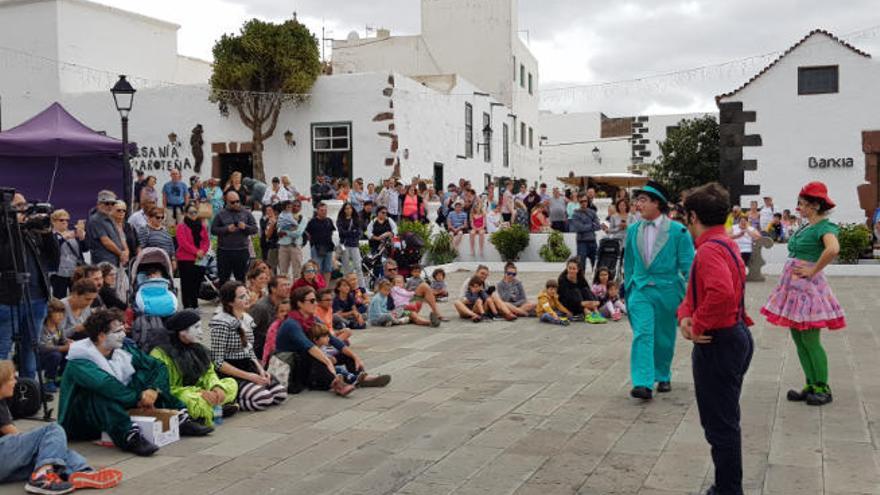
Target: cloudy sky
610,55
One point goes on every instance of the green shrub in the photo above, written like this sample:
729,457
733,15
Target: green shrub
442,251
555,249
510,242
365,249
423,230
855,239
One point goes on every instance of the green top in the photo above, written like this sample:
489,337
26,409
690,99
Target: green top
806,244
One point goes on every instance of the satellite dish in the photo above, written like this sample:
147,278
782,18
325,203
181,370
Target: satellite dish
353,36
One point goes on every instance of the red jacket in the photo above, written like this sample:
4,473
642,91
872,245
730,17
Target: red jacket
719,279
186,247
317,284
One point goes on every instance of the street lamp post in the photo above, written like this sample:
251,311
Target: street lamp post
123,96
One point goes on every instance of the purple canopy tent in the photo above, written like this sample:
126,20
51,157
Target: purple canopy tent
54,157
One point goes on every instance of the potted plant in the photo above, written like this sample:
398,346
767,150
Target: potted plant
442,251
555,250
422,230
510,242
854,240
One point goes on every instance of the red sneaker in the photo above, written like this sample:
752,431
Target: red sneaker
100,479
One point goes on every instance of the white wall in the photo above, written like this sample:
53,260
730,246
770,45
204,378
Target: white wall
794,128
657,125
403,54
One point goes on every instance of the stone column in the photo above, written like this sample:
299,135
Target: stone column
757,259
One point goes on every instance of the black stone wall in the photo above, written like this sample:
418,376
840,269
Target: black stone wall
639,140
733,138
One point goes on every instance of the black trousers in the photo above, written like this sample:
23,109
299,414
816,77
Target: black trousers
232,263
190,280
60,286
313,374
558,226
719,368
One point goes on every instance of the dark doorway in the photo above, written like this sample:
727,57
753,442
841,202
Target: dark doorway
235,162
438,177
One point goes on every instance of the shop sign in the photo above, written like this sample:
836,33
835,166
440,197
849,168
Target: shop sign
814,162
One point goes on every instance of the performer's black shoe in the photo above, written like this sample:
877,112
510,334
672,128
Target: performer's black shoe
711,491
797,395
643,393
819,399
664,387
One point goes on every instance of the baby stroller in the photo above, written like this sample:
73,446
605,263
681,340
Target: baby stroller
610,257
148,330
409,253
209,289
371,264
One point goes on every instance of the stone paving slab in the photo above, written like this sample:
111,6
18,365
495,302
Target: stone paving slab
521,407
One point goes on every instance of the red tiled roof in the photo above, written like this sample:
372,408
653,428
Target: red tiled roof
799,43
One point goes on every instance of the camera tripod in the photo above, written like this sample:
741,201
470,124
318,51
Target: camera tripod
27,391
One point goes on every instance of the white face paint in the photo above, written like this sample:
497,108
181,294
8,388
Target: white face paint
193,333
114,341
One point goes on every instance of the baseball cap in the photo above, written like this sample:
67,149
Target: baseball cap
106,197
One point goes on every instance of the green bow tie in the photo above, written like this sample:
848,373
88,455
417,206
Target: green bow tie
650,223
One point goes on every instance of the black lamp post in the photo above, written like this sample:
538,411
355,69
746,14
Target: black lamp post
597,155
123,96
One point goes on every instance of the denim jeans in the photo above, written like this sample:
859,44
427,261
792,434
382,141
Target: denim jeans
325,263
51,363
587,250
29,336
24,452
351,262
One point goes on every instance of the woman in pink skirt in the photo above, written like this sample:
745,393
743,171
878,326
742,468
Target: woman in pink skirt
803,300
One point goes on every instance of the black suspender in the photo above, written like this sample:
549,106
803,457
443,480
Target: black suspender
736,262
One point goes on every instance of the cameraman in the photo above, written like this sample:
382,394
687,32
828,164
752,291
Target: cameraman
40,252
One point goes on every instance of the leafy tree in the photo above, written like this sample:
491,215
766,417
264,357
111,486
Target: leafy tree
261,69
689,156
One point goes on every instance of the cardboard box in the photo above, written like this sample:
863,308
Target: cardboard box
159,426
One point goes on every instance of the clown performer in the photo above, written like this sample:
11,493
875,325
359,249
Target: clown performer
656,262
803,301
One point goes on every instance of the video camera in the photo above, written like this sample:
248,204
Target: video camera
36,215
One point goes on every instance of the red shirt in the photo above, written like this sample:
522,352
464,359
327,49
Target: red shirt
719,289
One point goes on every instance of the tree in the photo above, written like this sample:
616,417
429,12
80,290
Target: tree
689,157
260,70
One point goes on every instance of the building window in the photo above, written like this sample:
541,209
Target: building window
514,68
331,150
817,80
531,138
522,75
487,146
530,84
505,146
468,130
522,133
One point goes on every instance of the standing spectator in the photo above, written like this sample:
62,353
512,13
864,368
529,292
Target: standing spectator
70,246
319,231
149,190
767,213
265,309
103,236
156,235
196,191
532,200
457,223
269,236
744,235
291,189
591,196
412,206
381,229
508,206
322,191
233,227
130,237
138,219
275,193
175,195
755,216
344,190
571,203
193,243
139,184
215,196
358,196
390,199
521,215
350,232
523,192
585,223
108,293
290,239
366,215
558,212
542,192
234,184
619,221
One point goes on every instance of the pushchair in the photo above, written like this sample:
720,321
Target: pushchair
611,257
371,264
209,289
408,253
147,329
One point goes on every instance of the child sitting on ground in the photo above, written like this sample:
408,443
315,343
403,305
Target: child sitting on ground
320,336
612,306
272,333
438,285
379,314
346,309
402,299
415,278
600,283
361,298
154,297
324,312
53,346
474,301
549,309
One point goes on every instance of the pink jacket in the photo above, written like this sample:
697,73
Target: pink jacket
186,248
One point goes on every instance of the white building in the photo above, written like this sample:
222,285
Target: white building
590,143
479,41
353,125
810,115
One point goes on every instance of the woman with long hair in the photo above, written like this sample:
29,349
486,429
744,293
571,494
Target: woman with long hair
803,301
234,184
232,350
478,228
70,248
412,205
350,230
149,190
576,294
193,242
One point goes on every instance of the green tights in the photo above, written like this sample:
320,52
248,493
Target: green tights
813,359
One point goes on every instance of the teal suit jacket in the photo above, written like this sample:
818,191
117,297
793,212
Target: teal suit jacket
670,264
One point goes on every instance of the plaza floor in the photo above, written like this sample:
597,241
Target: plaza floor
527,408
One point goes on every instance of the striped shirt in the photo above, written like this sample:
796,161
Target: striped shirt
160,238
226,342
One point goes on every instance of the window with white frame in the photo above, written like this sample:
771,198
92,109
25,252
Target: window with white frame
468,130
531,91
522,133
331,150
531,138
487,146
505,147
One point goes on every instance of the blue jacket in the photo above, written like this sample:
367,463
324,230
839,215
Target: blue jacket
670,264
585,222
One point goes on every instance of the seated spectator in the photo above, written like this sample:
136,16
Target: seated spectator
41,455
404,300
265,311
438,284
474,301
379,313
154,297
415,278
104,378
191,373
77,308
422,293
521,215
457,223
282,310
361,298
511,292
346,307
107,292
324,313
549,309
539,221
494,305
576,294
93,273
257,283
311,368
232,350
53,345
320,336
310,277
612,305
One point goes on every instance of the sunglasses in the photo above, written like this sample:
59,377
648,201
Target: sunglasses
235,202
190,212
510,274
120,210
391,269
63,220
159,217
310,270
310,300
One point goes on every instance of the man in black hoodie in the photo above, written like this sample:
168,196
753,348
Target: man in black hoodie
233,227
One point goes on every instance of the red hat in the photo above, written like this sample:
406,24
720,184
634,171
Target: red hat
818,190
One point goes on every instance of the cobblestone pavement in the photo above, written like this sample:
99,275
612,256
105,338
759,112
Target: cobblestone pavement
528,408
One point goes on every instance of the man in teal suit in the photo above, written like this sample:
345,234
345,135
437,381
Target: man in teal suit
656,262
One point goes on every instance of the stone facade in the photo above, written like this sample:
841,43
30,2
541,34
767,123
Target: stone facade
732,140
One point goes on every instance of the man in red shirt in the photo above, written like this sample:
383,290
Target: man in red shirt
713,316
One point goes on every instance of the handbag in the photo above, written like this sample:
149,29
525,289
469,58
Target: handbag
280,367
206,210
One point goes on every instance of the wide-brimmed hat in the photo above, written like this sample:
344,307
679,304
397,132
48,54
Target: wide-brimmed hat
655,190
817,190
